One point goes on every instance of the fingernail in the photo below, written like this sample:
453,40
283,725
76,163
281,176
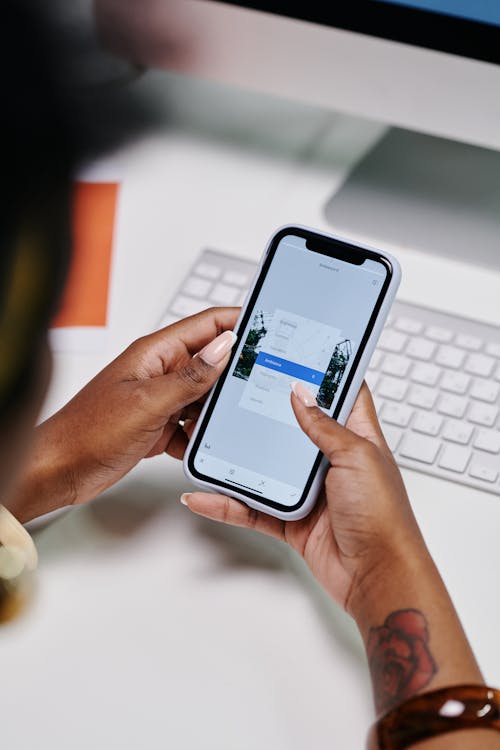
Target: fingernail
303,393
184,498
216,350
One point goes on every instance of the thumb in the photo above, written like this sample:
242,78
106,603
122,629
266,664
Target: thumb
177,389
324,431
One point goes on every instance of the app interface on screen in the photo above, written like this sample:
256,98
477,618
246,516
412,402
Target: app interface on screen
308,321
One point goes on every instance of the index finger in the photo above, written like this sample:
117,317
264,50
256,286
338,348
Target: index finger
329,436
197,330
169,347
363,419
326,433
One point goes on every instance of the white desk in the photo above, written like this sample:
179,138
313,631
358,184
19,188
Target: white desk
153,628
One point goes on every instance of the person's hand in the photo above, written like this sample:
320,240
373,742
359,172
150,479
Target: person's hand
129,411
362,543
362,521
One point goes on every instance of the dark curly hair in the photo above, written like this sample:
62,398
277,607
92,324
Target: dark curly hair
52,121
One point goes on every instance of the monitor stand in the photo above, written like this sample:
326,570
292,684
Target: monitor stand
424,193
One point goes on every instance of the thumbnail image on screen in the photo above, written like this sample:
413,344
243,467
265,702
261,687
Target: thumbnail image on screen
281,347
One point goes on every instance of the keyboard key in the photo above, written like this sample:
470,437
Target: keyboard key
392,388
497,373
429,424
487,440
472,343
452,406
223,294
493,349
450,356
441,335
392,437
237,278
241,299
397,414
479,364
375,360
422,396
458,432
426,374
197,287
455,382
372,379
482,414
422,349
208,270
486,473
454,458
485,390
184,306
392,341
420,448
395,364
408,325
379,403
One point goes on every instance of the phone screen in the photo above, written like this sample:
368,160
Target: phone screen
308,320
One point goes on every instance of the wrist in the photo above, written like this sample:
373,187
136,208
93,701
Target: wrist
413,636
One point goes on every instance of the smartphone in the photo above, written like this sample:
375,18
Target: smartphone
314,314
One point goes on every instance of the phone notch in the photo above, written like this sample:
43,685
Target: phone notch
335,249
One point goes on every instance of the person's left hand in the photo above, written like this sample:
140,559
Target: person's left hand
129,411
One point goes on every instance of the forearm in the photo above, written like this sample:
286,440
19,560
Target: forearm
426,648
414,640
47,481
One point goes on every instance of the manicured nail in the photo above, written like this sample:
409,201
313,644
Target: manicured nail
216,350
184,498
303,393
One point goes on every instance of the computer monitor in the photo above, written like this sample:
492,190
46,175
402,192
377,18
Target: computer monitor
427,67
432,66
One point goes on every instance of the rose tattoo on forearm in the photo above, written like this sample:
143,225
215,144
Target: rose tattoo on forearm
399,658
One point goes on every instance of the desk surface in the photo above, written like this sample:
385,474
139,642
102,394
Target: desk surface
156,628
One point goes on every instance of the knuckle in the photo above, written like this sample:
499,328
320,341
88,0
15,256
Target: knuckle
216,314
253,518
226,511
317,422
138,345
140,397
194,374
210,312
134,354
315,432
366,451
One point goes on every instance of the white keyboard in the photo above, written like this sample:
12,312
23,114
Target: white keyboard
435,377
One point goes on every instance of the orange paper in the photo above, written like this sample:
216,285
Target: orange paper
86,295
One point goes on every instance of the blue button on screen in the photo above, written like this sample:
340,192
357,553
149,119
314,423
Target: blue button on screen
289,368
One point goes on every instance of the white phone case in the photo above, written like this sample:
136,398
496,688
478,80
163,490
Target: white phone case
350,398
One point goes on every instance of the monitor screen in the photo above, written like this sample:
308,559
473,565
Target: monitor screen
469,28
484,11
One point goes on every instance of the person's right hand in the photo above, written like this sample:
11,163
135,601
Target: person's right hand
362,524
362,543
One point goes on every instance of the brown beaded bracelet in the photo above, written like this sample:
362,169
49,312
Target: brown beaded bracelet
431,714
